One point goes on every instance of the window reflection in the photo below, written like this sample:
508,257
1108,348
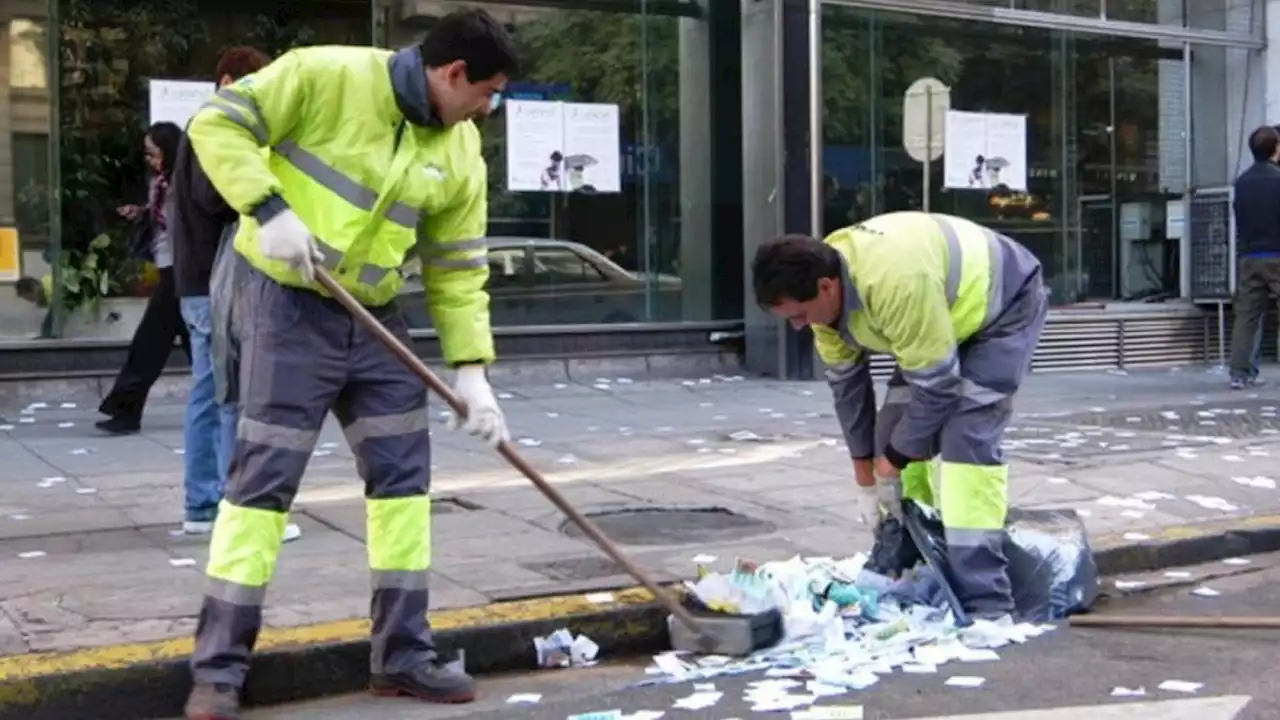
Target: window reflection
28,68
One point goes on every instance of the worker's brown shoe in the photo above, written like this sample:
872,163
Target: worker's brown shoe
431,682
213,702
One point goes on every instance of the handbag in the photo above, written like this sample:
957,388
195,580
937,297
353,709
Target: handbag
140,239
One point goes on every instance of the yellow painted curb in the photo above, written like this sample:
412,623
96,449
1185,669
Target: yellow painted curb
1190,531
14,669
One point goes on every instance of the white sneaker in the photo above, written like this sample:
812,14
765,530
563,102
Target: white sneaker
197,527
291,532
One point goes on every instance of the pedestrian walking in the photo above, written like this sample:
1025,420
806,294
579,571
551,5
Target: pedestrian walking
161,321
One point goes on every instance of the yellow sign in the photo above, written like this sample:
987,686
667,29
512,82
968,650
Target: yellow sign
10,255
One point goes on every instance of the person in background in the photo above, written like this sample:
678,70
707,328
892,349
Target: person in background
161,322
200,219
38,293
1257,213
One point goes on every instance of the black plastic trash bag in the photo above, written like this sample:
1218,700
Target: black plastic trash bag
1051,566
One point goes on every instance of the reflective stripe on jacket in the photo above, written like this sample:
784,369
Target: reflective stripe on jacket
320,130
916,286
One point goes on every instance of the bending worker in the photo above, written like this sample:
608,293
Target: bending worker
372,153
960,308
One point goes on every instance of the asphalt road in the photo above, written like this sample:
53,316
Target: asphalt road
1068,673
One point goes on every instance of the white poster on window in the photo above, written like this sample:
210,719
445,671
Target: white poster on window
176,101
562,147
985,151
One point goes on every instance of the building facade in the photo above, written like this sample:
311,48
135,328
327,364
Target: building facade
1127,110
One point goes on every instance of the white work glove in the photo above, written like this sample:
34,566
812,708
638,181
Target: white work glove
484,419
883,498
889,495
286,239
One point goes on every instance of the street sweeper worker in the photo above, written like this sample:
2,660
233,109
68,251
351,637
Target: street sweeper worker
349,158
960,308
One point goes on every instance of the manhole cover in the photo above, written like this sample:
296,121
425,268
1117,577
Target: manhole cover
673,526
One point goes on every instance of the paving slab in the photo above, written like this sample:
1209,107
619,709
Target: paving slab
767,451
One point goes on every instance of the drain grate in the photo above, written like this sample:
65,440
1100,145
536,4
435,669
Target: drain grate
673,526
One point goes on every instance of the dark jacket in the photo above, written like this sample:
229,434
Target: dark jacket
1257,208
199,217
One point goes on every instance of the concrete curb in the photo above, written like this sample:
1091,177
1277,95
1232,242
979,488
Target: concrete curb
150,680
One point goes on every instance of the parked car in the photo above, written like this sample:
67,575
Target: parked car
541,281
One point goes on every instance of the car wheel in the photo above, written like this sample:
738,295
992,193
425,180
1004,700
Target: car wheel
618,316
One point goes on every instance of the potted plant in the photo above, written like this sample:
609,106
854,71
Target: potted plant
94,281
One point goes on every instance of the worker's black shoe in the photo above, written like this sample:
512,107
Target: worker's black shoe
213,702
432,682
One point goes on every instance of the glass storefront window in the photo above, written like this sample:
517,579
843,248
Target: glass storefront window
1104,145
26,106
110,52
637,255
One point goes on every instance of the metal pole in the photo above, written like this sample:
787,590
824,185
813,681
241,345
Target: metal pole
815,119
928,146
1222,333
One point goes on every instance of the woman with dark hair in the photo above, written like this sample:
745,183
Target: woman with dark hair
162,321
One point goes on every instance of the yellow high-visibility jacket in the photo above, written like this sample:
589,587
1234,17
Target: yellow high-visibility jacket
344,136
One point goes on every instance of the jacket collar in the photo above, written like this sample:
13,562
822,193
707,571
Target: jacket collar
409,83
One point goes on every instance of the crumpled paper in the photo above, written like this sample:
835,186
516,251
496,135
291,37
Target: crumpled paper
561,649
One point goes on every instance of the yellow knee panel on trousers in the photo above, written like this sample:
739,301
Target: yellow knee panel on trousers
399,532
917,482
974,497
245,544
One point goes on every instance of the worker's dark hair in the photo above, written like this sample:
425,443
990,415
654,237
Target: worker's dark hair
1263,143
474,37
239,61
28,286
167,137
790,267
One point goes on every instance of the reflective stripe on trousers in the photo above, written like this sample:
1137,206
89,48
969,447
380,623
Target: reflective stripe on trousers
302,356
972,480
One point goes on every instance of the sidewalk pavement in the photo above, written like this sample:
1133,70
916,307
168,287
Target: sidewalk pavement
89,559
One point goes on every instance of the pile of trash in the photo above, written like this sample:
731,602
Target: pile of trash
845,622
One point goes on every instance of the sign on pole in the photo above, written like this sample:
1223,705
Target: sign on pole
924,121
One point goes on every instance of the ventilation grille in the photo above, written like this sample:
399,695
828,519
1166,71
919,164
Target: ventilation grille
1099,341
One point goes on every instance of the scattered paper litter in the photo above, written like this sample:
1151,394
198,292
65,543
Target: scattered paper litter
182,562
19,517
529,442
86,491
1057,480
1181,686
1265,483
599,715
67,406
1136,536
1129,584
829,712
31,554
1150,495
524,699
6,428
704,559
965,681
1237,561
1119,691
600,598
1178,574
1205,592
1209,502
26,420
66,424
698,700
561,649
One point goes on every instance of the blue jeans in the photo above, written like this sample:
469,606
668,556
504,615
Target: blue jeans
210,429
